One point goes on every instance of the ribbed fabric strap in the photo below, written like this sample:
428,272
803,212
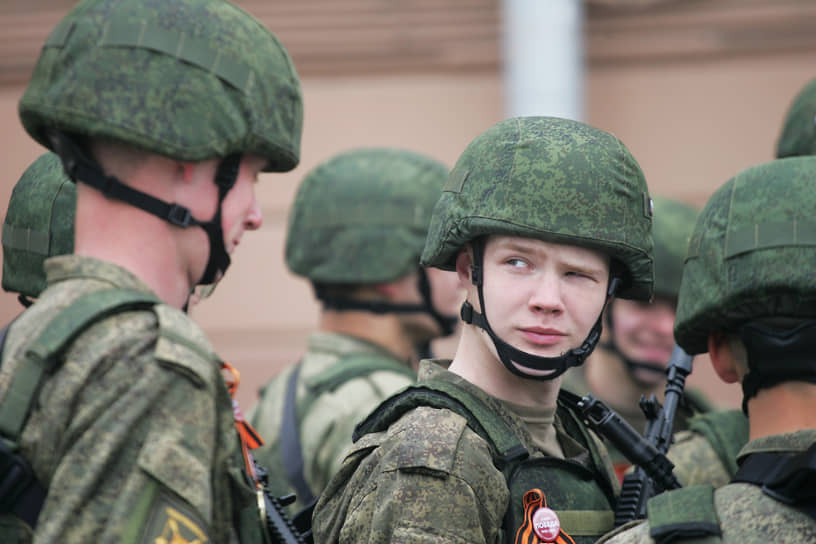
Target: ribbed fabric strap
42,354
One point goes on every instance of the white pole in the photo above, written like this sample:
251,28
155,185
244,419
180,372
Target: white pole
543,58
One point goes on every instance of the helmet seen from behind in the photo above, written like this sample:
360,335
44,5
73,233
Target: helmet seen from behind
39,224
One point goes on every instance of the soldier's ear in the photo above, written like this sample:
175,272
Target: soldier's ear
463,262
723,358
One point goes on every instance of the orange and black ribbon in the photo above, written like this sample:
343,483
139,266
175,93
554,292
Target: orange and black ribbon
533,500
250,439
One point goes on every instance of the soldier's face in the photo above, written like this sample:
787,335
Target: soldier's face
239,210
540,297
643,332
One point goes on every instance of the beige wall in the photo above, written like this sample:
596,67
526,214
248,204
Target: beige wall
691,123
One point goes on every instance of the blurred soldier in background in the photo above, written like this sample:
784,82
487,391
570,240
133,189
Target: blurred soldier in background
798,136
544,220
39,224
356,231
114,411
748,298
640,335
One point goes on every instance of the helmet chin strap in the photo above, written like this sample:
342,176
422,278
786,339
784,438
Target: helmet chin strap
446,323
631,365
507,353
80,167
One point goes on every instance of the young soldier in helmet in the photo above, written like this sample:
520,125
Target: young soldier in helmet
707,453
356,231
39,224
748,298
632,362
164,113
544,220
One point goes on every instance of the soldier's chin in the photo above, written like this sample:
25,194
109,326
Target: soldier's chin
532,371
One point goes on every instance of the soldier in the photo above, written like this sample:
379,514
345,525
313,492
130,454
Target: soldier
356,232
798,136
632,362
707,453
544,220
39,224
113,406
748,298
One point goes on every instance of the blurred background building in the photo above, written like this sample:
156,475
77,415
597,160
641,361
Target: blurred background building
695,88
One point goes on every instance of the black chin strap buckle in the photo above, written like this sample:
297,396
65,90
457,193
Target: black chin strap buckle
179,216
466,313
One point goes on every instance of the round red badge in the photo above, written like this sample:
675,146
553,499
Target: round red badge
546,524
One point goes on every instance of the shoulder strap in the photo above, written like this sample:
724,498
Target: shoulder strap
356,366
684,513
344,370
42,354
290,447
20,492
438,394
726,431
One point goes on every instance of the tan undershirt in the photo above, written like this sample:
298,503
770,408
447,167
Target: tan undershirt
539,422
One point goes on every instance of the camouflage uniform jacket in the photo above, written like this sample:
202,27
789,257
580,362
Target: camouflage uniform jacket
707,452
747,515
428,478
133,433
575,381
326,412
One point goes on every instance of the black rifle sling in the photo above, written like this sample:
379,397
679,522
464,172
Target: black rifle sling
20,492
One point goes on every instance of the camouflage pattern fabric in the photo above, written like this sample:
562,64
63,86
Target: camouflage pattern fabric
325,428
428,478
133,434
798,136
671,228
745,513
555,180
732,272
575,380
188,79
39,224
707,452
361,216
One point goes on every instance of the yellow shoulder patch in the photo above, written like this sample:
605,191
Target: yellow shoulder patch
173,522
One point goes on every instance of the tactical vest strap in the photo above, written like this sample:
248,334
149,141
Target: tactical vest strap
726,431
356,366
42,354
344,370
684,513
439,394
20,493
587,522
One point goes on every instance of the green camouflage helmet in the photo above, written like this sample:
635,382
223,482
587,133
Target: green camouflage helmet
362,216
39,224
188,79
671,229
552,179
752,253
798,135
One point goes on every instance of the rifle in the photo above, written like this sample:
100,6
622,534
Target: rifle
280,527
653,472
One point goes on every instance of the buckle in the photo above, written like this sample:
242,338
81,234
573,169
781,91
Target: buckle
179,216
